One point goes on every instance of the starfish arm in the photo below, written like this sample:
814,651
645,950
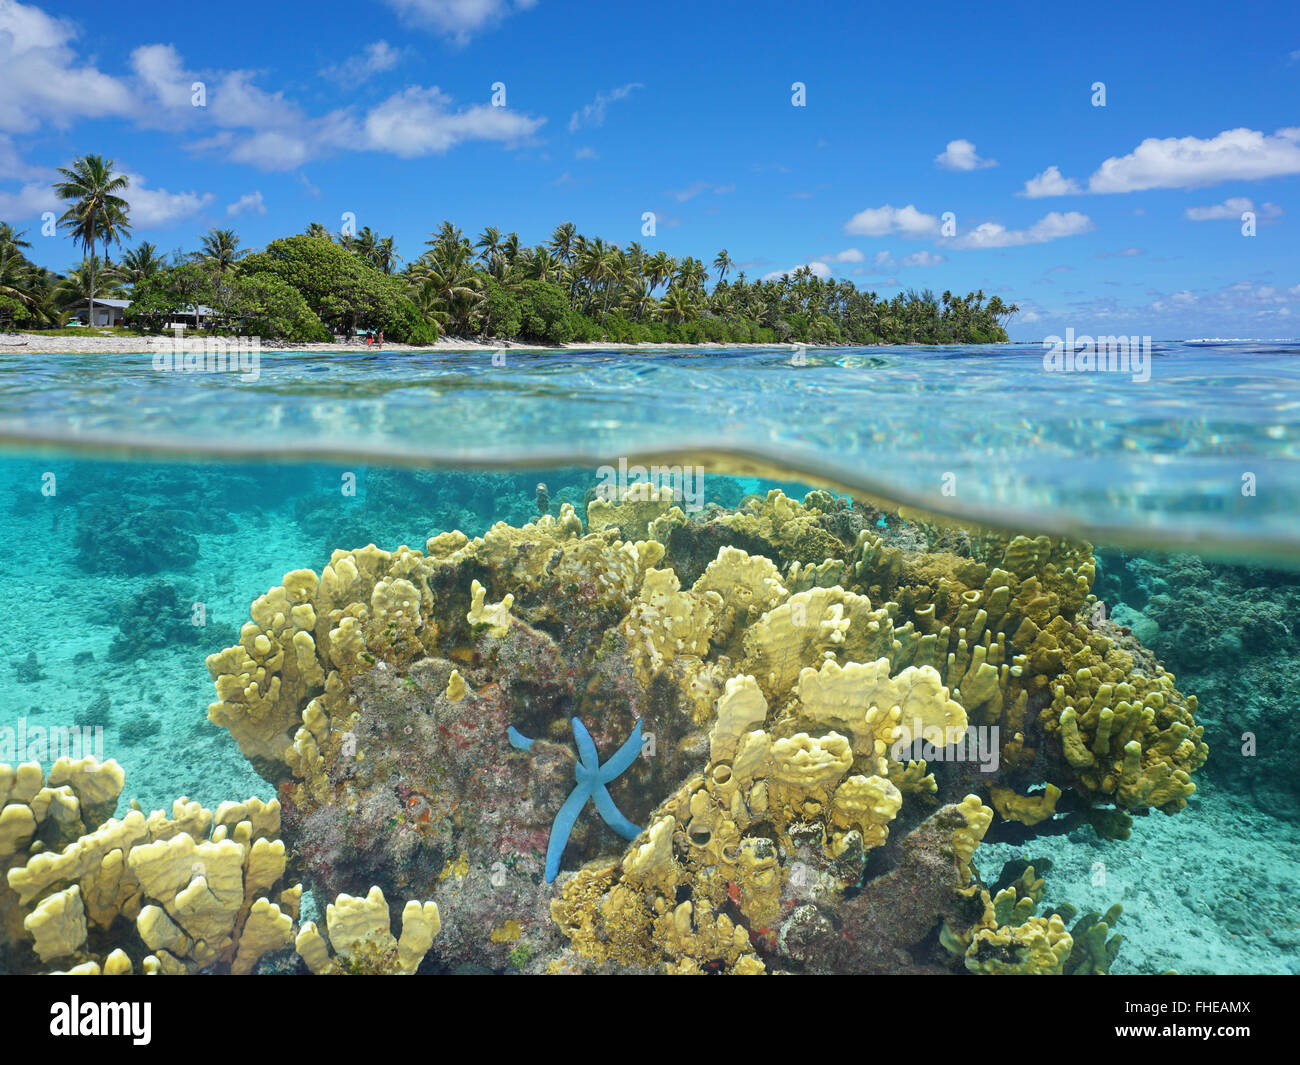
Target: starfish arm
518,740
612,815
623,758
561,827
586,745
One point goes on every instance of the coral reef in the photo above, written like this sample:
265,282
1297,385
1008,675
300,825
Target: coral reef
156,614
199,891
832,702
1229,629
115,538
1010,938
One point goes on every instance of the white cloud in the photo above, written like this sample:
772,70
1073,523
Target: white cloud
44,82
13,167
418,122
696,187
1189,162
29,202
47,84
593,114
848,255
1049,183
923,258
249,202
458,19
884,261
586,153
158,208
373,59
1185,163
884,221
1231,208
1052,226
161,76
819,269
961,155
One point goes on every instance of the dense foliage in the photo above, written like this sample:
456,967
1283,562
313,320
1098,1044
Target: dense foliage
314,285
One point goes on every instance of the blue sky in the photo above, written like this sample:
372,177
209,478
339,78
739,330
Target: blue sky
1123,218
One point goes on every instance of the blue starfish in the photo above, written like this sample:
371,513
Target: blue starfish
592,778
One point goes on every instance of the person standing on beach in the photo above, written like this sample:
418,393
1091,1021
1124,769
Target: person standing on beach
381,340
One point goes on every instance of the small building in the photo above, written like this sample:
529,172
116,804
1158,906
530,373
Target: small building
108,312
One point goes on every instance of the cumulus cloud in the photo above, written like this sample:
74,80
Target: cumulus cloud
374,59
887,220
29,202
1231,208
923,258
150,208
819,269
1052,226
848,255
457,19
1190,162
961,155
45,83
158,208
884,261
1184,163
593,114
420,121
1049,183
250,202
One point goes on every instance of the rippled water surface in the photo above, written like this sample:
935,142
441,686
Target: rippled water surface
1205,453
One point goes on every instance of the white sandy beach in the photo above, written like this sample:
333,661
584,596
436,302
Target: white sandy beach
107,344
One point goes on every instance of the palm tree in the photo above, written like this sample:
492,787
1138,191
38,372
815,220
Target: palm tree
658,269
676,305
639,300
445,276
140,264
386,257
315,229
722,263
489,243
366,245
10,239
220,250
96,211
563,242
544,264
27,285
85,281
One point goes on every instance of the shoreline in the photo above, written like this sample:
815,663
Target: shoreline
38,343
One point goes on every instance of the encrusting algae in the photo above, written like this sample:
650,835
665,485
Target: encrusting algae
804,676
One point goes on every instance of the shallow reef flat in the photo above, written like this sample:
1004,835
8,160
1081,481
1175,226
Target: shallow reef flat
868,742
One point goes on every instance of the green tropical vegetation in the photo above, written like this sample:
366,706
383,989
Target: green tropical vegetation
316,285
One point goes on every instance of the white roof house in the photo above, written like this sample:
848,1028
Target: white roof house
109,313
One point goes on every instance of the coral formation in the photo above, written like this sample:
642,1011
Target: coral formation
201,890
809,683
1229,629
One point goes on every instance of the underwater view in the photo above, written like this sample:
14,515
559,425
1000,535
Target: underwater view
704,708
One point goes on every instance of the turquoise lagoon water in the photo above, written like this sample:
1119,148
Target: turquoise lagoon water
133,493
